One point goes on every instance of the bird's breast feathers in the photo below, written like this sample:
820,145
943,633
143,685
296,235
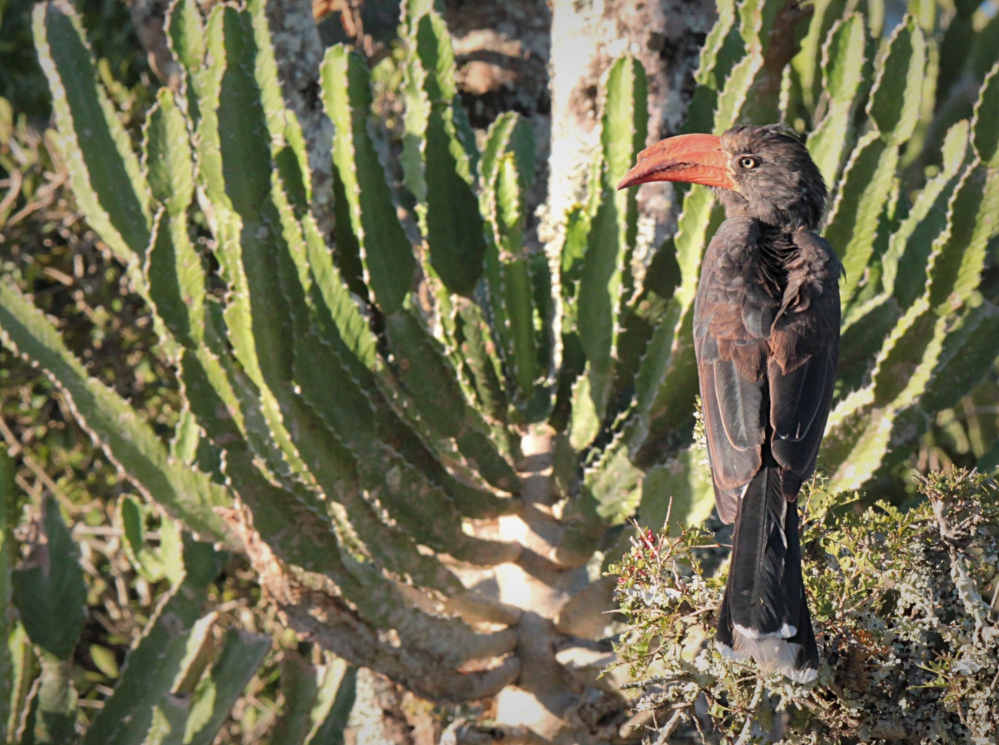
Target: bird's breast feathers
752,310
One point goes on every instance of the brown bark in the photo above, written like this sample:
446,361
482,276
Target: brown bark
147,18
387,714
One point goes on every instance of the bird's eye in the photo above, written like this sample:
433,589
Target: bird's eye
748,162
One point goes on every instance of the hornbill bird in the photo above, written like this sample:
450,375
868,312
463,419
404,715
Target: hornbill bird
766,335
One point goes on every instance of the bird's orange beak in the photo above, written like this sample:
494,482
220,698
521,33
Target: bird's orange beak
694,159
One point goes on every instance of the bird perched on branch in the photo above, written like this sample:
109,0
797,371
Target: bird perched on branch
766,335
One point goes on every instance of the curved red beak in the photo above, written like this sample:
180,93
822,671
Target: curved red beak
695,159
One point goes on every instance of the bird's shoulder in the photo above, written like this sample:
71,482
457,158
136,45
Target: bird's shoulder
730,270
809,317
735,242
815,256
733,309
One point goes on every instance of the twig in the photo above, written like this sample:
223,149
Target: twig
697,723
748,726
671,725
16,448
13,192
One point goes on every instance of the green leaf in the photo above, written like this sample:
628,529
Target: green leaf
433,44
516,280
241,655
606,281
176,281
585,419
508,170
986,121
8,665
898,85
105,660
732,100
652,371
808,63
167,155
955,265
479,355
441,159
133,527
55,713
520,311
385,250
173,272
844,71
963,360
24,669
928,362
680,488
104,171
599,290
169,721
625,125
615,483
186,34
49,590
186,37
853,226
955,48
159,664
861,337
510,133
432,383
454,224
300,682
287,140
128,441
330,731
722,48
904,262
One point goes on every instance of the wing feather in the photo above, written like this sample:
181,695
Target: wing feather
796,397
730,466
797,456
740,402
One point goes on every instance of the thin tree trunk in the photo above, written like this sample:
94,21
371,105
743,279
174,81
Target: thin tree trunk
587,35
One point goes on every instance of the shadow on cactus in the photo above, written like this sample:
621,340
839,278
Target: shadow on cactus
379,367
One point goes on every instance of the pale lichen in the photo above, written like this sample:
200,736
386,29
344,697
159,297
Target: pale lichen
904,611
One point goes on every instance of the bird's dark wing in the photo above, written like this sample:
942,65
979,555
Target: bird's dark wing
764,360
804,350
733,315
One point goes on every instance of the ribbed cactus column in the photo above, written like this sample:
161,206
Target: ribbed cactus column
553,696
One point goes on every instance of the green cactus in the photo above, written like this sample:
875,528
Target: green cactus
354,415
155,698
315,699
48,588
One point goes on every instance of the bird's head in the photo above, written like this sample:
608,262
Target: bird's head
765,172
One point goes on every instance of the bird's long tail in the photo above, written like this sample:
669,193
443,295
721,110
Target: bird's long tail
764,613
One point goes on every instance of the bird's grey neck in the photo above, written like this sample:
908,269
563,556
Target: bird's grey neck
788,218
